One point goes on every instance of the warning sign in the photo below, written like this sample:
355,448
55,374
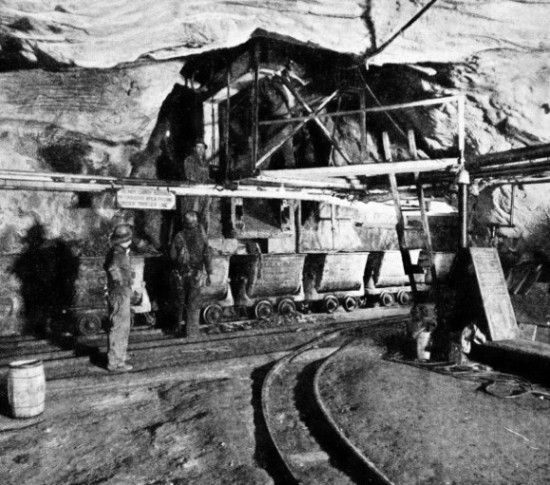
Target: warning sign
146,198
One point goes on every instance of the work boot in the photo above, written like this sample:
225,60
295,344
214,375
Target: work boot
193,324
179,329
120,368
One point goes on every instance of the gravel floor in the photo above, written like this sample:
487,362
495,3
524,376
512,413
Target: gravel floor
421,427
196,424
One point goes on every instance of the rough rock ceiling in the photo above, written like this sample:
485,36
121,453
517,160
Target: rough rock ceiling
98,119
105,33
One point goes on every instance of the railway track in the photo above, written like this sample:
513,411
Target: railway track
311,447
151,348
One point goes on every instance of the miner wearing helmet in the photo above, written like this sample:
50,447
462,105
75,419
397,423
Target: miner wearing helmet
119,290
192,259
197,170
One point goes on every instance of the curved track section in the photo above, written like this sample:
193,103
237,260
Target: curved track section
338,432
311,447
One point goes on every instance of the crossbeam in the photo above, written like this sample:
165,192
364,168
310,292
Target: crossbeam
375,109
62,182
367,169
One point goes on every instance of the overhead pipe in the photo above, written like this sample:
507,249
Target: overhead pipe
508,156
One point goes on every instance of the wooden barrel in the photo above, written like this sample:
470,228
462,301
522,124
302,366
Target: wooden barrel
26,388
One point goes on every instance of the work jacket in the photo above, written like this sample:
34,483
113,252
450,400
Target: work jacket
190,251
119,271
196,169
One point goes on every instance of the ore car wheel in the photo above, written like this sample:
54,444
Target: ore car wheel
212,314
330,304
404,297
263,310
286,307
88,324
350,303
387,299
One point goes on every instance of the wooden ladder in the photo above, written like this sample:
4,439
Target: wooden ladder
401,225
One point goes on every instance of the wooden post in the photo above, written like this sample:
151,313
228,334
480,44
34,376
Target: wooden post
400,227
226,151
298,224
461,127
255,107
333,224
512,205
364,138
463,209
463,186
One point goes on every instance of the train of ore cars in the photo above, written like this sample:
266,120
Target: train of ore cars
258,286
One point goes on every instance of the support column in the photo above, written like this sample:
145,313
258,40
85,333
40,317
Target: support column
255,108
463,182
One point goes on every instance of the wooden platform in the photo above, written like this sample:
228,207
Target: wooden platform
519,356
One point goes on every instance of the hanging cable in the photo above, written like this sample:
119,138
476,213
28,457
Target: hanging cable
402,29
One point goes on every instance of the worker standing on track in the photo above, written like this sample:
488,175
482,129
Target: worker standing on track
192,259
119,290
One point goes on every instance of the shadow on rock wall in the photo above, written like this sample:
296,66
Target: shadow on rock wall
47,270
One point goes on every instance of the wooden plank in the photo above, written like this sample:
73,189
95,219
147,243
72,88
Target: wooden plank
328,183
497,305
367,169
376,109
245,191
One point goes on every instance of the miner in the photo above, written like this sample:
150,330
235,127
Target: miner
197,170
192,259
119,291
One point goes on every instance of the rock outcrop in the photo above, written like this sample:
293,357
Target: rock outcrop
82,83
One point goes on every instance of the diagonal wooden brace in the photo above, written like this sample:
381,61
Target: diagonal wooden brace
319,123
312,116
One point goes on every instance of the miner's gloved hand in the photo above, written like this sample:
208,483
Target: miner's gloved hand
208,280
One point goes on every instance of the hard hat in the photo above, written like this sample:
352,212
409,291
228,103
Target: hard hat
121,234
190,219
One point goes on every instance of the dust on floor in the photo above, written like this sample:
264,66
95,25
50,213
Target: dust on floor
155,427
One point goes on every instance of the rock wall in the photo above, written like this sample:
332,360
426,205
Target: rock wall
74,121
82,85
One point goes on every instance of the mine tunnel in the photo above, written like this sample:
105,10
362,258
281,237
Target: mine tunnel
274,243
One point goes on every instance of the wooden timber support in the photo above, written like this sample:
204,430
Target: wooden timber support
423,212
366,169
364,135
255,108
400,226
303,121
64,182
317,121
226,151
375,109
